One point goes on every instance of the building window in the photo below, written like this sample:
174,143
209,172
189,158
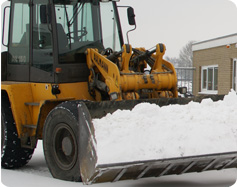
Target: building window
209,79
234,81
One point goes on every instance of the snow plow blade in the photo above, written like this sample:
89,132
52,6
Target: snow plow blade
158,168
91,172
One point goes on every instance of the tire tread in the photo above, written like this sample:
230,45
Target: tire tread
13,155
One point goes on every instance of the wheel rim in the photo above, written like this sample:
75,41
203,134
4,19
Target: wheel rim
64,146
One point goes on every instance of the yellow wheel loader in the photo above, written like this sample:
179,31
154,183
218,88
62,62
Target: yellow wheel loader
66,64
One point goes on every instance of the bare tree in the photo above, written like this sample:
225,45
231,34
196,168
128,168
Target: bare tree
175,61
186,55
185,58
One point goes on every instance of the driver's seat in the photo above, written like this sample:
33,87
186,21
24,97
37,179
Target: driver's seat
62,39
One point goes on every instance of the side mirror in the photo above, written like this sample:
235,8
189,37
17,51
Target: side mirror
131,16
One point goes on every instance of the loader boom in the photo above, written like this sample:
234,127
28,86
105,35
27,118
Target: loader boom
123,81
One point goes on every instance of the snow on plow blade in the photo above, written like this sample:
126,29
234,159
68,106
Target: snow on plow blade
91,172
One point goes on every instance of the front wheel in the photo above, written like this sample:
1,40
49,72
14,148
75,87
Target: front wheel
60,142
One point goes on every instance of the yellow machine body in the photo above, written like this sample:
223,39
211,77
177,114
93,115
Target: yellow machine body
31,108
125,82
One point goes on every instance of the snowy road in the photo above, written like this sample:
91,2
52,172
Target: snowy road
36,174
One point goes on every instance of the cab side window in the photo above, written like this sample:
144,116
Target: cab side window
19,43
42,38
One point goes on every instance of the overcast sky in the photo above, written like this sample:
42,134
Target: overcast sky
175,22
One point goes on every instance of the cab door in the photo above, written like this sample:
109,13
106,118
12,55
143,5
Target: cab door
19,42
41,68
30,42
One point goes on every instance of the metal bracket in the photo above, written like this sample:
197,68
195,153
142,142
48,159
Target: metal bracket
145,78
152,79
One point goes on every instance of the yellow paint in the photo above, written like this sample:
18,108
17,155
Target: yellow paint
126,58
108,70
22,95
159,80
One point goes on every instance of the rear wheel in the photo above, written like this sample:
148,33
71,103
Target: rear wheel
60,142
13,155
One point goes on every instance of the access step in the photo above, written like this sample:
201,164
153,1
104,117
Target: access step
30,126
32,104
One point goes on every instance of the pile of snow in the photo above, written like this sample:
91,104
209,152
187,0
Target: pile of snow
153,132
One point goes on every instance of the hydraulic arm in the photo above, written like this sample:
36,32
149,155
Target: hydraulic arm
127,78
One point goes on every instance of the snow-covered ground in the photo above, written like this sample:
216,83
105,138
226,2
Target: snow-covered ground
149,132
36,174
214,121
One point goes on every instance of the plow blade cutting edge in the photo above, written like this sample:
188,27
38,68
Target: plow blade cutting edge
93,173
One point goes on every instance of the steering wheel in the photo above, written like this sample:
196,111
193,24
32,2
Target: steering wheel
83,33
107,51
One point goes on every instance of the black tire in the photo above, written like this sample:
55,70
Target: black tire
60,142
13,155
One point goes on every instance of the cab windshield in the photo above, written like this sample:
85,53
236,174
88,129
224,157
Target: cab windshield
82,25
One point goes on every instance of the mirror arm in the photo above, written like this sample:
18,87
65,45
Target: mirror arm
131,19
131,31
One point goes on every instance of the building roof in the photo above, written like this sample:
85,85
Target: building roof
215,42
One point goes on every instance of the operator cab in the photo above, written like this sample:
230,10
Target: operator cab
46,35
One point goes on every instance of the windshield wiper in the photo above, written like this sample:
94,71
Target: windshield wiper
76,12
74,16
68,26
